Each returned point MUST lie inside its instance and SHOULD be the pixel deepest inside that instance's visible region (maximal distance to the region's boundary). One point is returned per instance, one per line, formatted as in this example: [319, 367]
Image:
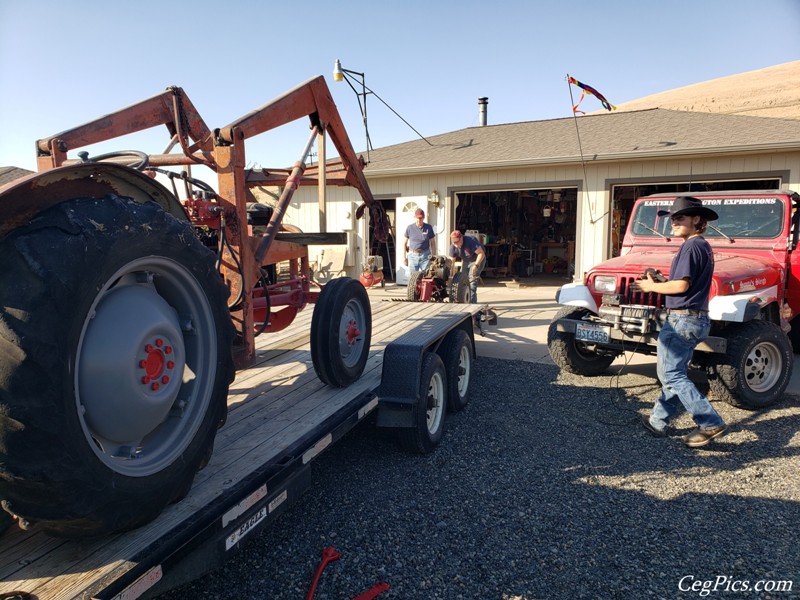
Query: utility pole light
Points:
[340, 74]
[337, 71]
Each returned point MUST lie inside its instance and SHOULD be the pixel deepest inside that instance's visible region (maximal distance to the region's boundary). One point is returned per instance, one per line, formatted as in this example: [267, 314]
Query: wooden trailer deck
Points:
[279, 411]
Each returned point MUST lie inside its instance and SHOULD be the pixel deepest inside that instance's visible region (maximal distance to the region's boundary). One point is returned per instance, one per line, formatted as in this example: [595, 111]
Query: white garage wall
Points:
[594, 183]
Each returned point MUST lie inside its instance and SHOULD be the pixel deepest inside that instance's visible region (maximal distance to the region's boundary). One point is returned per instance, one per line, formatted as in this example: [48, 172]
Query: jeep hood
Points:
[732, 274]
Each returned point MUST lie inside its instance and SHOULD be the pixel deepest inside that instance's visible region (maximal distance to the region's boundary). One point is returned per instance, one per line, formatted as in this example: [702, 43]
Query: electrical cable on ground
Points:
[618, 401]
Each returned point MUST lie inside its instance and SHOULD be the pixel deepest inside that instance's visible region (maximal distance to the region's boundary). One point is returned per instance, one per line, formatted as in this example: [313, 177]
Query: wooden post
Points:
[322, 181]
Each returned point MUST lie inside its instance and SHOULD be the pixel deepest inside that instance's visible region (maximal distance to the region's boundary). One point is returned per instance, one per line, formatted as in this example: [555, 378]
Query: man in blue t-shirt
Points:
[420, 243]
[473, 259]
[686, 325]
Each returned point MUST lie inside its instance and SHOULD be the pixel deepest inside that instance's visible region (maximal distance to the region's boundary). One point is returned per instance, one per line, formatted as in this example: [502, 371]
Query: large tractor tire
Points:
[578, 358]
[757, 367]
[341, 332]
[458, 288]
[115, 362]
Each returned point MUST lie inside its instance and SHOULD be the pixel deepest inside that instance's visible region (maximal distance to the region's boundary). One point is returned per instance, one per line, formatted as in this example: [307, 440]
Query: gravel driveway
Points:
[545, 486]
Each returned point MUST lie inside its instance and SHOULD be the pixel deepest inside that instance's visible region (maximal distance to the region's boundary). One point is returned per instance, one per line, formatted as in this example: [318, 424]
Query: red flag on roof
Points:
[587, 89]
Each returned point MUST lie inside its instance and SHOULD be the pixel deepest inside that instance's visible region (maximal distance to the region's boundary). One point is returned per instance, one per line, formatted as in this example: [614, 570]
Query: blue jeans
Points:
[473, 281]
[678, 337]
[419, 262]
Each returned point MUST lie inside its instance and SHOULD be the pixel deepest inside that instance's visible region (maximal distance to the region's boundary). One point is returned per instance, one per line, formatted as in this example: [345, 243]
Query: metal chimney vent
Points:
[483, 102]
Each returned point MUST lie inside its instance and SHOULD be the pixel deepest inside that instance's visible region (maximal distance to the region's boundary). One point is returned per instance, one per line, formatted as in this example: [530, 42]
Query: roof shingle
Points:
[608, 136]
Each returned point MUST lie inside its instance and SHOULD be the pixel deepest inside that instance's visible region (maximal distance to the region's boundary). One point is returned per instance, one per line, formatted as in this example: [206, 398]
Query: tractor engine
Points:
[438, 268]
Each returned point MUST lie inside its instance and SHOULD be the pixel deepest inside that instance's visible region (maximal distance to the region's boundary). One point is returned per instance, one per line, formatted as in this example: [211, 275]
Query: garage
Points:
[524, 231]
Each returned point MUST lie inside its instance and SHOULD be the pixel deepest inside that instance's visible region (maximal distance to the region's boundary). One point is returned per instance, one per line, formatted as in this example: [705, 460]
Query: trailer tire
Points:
[456, 354]
[412, 290]
[341, 331]
[430, 410]
[569, 355]
[755, 371]
[458, 288]
[87, 447]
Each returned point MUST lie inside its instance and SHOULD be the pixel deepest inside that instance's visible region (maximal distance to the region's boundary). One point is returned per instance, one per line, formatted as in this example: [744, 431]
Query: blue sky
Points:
[64, 63]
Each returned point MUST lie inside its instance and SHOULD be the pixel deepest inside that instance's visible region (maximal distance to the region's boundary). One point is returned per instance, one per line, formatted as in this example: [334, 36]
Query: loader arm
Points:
[312, 99]
[171, 108]
[223, 151]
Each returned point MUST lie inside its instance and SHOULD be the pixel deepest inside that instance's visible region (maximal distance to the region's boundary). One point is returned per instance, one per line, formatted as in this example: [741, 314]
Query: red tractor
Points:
[126, 306]
[438, 284]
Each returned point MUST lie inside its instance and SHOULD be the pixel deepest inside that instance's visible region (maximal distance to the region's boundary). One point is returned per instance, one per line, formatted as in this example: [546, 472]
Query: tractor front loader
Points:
[127, 306]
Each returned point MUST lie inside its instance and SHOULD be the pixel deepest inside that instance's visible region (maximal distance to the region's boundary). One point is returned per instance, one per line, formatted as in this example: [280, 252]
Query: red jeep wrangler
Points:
[755, 293]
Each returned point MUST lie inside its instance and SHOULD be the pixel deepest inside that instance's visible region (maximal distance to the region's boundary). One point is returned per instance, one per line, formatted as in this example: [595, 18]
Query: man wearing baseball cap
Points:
[473, 259]
[419, 244]
[687, 324]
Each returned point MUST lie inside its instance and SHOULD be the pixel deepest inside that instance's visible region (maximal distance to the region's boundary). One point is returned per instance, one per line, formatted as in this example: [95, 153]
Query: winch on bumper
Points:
[625, 326]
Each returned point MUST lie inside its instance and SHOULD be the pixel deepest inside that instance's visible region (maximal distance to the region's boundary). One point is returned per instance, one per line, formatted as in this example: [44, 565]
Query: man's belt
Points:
[418, 251]
[687, 311]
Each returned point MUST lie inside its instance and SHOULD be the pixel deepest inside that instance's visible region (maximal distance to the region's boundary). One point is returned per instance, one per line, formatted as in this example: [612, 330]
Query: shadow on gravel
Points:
[544, 487]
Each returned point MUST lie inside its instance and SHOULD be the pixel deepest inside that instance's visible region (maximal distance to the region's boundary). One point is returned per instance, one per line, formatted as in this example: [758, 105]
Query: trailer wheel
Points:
[456, 354]
[429, 413]
[412, 291]
[757, 367]
[115, 361]
[458, 288]
[570, 355]
[341, 330]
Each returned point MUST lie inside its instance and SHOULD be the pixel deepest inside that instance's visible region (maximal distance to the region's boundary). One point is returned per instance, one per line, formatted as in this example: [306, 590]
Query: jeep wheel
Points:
[572, 356]
[757, 368]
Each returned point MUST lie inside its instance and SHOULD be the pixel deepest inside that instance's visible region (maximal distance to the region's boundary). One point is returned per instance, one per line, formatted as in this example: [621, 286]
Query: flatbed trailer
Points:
[280, 417]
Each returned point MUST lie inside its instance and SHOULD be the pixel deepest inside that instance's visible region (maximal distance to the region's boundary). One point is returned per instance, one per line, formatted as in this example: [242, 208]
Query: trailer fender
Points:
[576, 294]
[22, 199]
[740, 308]
[399, 389]
[403, 358]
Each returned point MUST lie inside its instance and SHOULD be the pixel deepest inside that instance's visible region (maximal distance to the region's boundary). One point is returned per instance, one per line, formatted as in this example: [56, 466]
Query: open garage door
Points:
[527, 232]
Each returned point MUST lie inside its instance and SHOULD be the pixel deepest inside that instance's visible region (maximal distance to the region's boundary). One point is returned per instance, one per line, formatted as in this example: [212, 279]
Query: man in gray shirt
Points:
[419, 244]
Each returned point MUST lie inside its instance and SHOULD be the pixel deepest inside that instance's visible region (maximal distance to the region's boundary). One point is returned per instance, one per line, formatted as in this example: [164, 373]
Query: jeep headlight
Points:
[605, 284]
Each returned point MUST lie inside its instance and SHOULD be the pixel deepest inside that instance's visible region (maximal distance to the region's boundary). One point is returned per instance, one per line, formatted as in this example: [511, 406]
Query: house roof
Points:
[8, 174]
[640, 134]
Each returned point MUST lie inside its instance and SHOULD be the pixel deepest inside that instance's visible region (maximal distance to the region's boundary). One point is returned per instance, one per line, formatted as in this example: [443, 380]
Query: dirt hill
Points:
[770, 92]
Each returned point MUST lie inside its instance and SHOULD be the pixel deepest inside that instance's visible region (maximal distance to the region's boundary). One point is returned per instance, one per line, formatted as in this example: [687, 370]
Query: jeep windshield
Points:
[738, 218]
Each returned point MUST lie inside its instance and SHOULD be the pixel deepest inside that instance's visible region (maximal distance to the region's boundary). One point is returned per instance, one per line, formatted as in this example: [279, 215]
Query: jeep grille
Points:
[629, 296]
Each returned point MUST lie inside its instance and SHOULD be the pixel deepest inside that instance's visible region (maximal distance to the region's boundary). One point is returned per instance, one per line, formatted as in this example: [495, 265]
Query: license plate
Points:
[589, 332]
